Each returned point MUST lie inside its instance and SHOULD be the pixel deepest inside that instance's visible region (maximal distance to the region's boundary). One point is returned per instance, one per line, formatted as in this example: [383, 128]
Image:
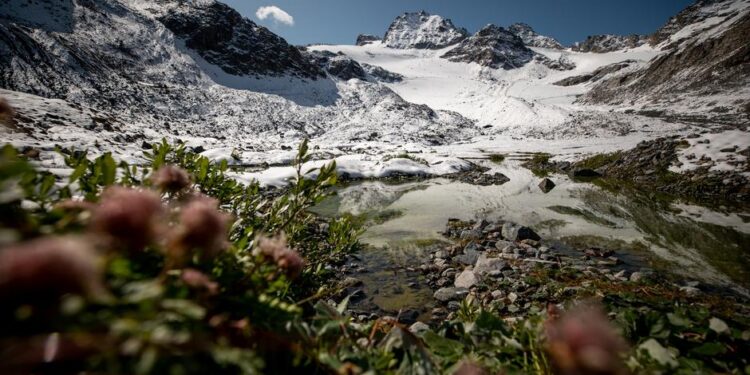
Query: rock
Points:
[636, 277]
[450, 294]
[454, 306]
[443, 281]
[585, 173]
[470, 234]
[498, 294]
[418, 328]
[512, 297]
[546, 185]
[469, 256]
[515, 232]
[690, 291]
[466, 279]
[484, 265]
[408, 316]
[481, 224]
[500, 244]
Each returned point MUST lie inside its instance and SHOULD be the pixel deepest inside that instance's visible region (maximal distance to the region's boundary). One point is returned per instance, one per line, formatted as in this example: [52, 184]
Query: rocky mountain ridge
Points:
[609, 43]
[423, 30]
[533, 39]
[494, 47]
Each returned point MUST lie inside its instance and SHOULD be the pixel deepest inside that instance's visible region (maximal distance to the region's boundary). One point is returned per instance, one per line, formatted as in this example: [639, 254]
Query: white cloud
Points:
[275, 13]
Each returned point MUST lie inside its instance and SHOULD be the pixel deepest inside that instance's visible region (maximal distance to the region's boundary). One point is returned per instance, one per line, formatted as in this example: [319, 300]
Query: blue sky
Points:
[339, 21]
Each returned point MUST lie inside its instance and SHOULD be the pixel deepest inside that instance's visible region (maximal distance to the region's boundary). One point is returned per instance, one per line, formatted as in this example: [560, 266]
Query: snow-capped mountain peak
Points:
[492, 46]
[531, 38]
[423, 30]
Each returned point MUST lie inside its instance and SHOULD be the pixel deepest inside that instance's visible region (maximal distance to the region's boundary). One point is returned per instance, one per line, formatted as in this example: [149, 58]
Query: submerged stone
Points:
[546, 185]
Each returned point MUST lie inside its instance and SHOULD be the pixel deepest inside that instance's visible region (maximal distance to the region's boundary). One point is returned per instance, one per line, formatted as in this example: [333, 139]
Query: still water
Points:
[405, 219]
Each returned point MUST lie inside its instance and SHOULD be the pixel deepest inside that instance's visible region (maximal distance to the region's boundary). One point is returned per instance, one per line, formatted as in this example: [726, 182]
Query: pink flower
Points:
[202, 226]
[75, 205]
[131, 218]
[287, 259]
[583, 341]
[170, 178]
[50, 267]
[199, 280]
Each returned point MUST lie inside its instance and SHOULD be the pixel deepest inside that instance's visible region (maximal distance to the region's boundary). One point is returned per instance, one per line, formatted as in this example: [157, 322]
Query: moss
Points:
[539, 164]
[497, 158]
[406, 156]
[599, 160]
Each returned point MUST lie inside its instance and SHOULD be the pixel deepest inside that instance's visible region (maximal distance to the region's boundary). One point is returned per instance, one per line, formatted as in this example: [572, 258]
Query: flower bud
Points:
[287, 259]
[583, 341]
[170, 178]
[49, 267]
[129, 218]
[202, 226]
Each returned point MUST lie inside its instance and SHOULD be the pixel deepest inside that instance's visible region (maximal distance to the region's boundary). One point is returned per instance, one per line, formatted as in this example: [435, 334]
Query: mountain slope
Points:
[703, 73]
[195, 85]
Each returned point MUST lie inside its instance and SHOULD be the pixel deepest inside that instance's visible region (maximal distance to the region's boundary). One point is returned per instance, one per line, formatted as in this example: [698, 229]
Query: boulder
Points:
[450, 294]
[408, 316]
[470, 255]
[546, 185]
[515, 232]
[485, 265]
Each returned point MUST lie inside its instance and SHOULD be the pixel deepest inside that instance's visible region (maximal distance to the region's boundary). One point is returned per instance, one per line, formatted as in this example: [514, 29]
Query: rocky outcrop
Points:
[596, 75]
[422, 30]
[494, 47]
[562, 63]
[648, 166]
[377, 73]
[365, 39]
[531, 38]
[609, 43]
[224, 38]
[339, 65]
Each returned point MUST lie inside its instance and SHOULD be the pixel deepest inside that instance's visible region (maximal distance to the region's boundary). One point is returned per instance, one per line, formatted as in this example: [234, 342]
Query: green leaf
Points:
[79, 170]
[710, 349]
[108, 168]
[442, 347]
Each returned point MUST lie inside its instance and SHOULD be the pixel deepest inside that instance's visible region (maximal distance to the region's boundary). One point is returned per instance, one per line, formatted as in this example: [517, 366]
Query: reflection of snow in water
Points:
[685, 235]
